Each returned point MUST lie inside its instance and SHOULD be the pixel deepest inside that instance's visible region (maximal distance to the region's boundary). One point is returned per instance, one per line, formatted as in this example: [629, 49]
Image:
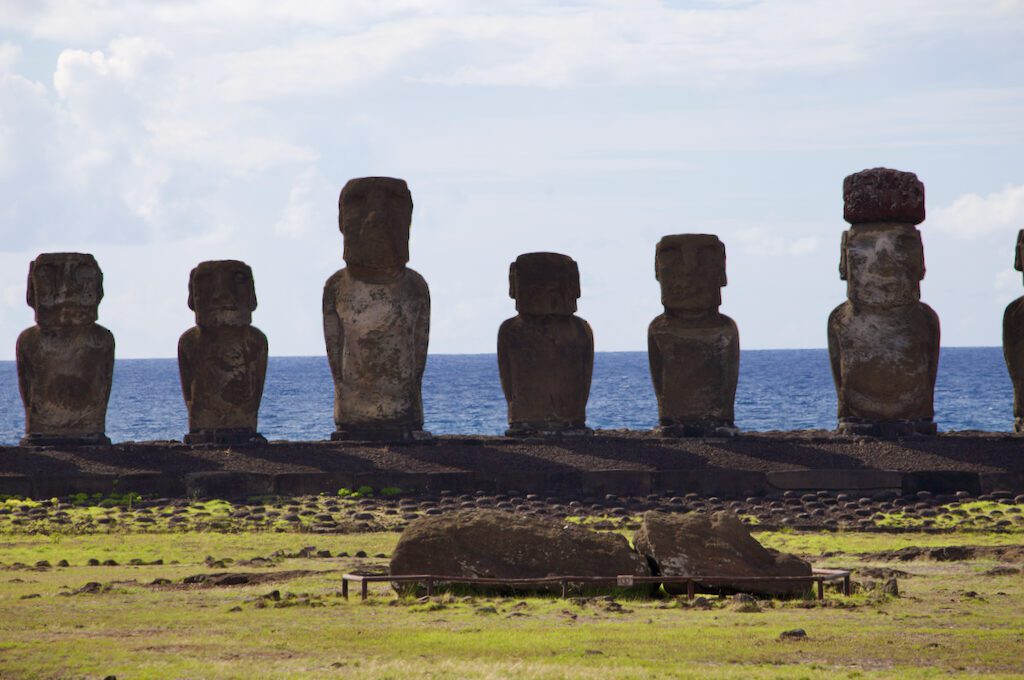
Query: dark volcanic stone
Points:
[715, 545]
[883, 195]
[494, 544]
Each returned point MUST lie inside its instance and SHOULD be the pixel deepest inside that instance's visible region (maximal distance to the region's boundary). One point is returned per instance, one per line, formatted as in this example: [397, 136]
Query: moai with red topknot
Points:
[883, 341]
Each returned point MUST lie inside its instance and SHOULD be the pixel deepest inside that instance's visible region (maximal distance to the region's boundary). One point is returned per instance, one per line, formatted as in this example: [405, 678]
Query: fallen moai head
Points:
[698, 544]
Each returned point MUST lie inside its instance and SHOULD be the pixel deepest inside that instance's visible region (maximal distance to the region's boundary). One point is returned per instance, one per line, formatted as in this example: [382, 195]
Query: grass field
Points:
[283, 615]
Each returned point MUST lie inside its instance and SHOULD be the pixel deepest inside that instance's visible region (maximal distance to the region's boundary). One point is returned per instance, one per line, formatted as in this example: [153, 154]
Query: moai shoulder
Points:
[222, 360]
[1013, 341]
[376, 315]
[693, 349]
[66, 361]
[883, 341]
[545, 352]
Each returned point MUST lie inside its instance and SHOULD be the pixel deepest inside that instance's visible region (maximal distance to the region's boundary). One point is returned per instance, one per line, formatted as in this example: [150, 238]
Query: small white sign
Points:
[624, 581]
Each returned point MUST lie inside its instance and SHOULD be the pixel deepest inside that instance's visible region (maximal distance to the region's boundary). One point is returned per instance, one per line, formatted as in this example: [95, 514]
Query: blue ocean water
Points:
[778, 390]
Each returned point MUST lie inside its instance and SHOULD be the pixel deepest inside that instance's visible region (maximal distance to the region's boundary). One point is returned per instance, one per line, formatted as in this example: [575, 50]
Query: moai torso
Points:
[376, 317]
[222, 360]
[546, 352]
[65, 361]
[884, 342]
[1013, 342]
[694, 351]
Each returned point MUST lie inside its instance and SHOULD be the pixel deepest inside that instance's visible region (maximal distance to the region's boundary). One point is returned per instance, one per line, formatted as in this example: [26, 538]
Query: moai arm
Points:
[654, 358]
[334, 334]
[588, 357]
[504, 358]
[25, 374]
[185, 369]
[261, 365]
[833, 349]
[933, 355]
[422, 332]
[108, 367]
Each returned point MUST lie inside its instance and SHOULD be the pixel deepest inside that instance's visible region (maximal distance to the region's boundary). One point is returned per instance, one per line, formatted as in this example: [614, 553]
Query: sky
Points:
[156, 135]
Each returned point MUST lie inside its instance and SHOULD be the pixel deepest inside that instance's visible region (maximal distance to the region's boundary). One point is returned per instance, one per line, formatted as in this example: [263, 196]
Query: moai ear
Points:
[30, 290]
[842, 256]
[576, 281]
[341, 221]
[512, 280]
[725, 279]
[99, 284]
[1018, 261]
[252, 289]
[191, 283]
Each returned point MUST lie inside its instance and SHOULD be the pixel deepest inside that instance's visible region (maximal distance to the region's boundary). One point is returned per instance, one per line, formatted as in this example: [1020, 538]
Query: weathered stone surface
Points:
[884, 342]
[1013, 341]
[66, 361]
[697, 544]
[222, 360]
[376, 316]
[694, 351]
[883, 195]
[545, 353]
[495, 544]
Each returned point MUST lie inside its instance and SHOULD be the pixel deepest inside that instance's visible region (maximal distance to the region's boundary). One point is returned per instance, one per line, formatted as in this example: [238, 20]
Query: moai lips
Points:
[222, 360]
[694, 350]
[376, 317]
[546, 352]
[66, 361]
[1013, 341]
[884, 342]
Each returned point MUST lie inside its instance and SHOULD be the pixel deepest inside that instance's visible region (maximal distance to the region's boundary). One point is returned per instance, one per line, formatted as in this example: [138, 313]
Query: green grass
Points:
[134, 629]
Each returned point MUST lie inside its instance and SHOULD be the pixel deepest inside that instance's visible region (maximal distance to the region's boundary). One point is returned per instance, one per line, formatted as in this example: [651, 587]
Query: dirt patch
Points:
[952, 553]
[226, 579]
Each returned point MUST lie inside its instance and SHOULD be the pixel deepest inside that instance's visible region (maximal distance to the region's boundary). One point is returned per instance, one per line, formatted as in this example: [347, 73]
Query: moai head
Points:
[222, 293]
[1018, 252]
[544, 283]
[882, 258]
[64, 289]
[374, 215]
[691, 271]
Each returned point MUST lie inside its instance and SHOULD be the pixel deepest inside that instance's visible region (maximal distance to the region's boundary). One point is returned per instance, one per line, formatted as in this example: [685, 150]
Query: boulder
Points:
[697, 544]
[495, 544]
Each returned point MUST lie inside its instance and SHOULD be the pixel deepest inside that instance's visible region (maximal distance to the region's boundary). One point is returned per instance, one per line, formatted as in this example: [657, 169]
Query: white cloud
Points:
[973, 215]
[774, 243]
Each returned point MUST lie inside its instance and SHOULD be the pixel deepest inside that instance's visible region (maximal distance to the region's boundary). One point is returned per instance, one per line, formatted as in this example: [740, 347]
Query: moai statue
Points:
[694, 350]
[883, 341]
[377, 317]
[223, 358]
[1013, 341]
[546, 352]
[65, 361]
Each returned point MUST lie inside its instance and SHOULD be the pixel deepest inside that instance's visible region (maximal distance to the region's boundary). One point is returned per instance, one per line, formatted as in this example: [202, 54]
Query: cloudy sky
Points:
[159, 134]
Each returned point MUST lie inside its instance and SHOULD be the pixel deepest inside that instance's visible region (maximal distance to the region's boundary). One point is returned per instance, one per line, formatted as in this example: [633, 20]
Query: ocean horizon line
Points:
[479, 354]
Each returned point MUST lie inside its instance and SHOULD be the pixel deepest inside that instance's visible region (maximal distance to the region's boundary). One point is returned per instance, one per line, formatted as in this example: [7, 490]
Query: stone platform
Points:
[609, 462]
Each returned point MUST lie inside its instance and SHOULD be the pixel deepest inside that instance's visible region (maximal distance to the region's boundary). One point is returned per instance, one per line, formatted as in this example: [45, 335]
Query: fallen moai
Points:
[497, 545]
[66, 361]
[222, 360]
[546, 352]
